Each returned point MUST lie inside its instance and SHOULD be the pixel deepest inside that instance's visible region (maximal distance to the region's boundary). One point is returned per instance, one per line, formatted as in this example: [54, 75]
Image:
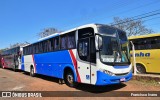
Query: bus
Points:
[147, 51]
[0, 60]
[11, 58]
[94, 54]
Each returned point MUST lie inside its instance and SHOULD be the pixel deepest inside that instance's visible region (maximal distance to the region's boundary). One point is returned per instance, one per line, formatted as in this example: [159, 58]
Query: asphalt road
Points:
[21, 81]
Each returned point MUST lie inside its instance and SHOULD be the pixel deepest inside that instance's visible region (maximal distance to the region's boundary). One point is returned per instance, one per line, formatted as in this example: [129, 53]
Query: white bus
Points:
[93, 54]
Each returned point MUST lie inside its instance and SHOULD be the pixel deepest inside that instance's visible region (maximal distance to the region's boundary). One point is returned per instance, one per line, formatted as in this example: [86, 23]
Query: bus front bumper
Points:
[105, 79]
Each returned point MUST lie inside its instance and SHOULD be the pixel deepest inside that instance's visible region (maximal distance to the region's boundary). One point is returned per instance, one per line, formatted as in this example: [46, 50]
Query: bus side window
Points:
[80, 49]
[56, 43]
[86, 44]
[36, 46]
[149, 43]
[157, 40]
[30, 49]
[63, 42]
[71, 40]
[52, 44]
[155, 43]
[49, 45]
[45, 46]
[40, 47]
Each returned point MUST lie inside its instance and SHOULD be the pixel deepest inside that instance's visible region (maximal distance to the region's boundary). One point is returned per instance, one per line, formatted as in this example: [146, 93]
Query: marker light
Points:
[107, 72]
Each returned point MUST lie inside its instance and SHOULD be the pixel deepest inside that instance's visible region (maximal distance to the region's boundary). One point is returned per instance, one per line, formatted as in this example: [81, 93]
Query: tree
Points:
[18, 44]
[131, 26]
[47, 32]
[14, 45]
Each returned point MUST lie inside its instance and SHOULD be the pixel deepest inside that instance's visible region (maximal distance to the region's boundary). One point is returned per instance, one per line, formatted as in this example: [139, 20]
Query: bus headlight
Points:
[107, 72]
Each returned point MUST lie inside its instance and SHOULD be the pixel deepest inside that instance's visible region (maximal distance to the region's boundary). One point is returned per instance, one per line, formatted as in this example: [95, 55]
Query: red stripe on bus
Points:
[75, 64]
[34, 64]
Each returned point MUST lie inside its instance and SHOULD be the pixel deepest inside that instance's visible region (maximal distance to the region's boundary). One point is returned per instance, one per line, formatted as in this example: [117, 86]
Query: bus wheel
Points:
[141, 69]
[69, 79]
[32, 72]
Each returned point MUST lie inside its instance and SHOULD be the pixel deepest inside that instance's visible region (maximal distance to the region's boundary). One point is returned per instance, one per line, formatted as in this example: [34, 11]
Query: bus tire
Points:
[69, 78]
[32, 71]
[140, 68]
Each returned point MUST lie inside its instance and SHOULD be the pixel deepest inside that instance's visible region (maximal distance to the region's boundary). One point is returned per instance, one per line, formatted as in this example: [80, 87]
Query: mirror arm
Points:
[98, 34]
[98, 50]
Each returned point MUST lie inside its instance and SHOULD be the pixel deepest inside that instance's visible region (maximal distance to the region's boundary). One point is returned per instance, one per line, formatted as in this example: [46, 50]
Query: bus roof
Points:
[144, 36]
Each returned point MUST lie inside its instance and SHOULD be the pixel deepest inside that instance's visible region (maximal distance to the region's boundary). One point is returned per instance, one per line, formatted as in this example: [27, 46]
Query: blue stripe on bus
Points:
[105, 79]
[53, 63]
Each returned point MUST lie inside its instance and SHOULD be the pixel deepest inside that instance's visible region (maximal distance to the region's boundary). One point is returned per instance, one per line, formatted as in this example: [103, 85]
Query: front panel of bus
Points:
[103, 56]
[113, 61]
[10, 58]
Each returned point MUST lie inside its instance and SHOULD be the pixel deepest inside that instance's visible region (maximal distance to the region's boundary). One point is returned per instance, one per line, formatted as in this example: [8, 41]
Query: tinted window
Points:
[71, 40]
[40, 47]
[86, 45]
[56, 43]
[86, 32]
[147, 43]
[64, 42]
[83, 49]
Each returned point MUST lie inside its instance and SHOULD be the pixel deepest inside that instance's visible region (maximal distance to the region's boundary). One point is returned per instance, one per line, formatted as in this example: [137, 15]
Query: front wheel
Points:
[141, 69]
[69, 79]
[32, 72]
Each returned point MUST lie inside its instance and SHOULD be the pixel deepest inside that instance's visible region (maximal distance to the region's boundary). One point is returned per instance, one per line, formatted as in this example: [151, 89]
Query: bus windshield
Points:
[115, 48]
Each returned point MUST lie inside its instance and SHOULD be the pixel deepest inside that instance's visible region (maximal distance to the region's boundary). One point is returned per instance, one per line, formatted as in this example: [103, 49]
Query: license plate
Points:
[122, 79]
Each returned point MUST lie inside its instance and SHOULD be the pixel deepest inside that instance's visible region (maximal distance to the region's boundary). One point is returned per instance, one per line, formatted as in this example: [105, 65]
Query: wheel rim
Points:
[70, 78]
[140, 69]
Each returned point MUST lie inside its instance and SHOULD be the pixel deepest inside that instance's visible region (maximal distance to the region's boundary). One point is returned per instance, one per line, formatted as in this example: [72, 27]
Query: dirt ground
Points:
[21, 81]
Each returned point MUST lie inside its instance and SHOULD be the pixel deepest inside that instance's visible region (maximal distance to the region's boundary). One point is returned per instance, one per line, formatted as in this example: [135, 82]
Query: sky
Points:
[22, 20]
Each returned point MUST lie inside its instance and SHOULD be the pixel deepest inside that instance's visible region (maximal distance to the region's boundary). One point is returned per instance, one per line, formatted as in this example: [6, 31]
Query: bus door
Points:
[84, 54]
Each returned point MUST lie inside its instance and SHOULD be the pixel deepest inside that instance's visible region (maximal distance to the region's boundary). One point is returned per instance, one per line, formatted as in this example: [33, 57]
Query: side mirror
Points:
[100, 43]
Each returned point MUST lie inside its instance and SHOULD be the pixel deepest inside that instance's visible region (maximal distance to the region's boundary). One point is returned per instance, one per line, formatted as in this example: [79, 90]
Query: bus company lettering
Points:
[141, 54]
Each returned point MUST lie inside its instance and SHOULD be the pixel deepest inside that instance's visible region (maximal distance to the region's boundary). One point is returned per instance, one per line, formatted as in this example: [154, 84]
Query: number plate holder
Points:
[122, 79]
